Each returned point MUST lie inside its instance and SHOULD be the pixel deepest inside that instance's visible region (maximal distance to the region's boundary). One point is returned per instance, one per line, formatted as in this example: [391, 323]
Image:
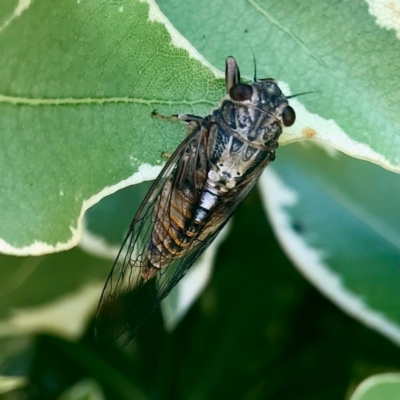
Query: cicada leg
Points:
[189, 118]
[181, 117]
[193, 121]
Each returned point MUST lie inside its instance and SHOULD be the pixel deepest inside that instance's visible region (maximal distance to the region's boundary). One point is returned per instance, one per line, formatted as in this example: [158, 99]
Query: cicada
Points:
[196, 193]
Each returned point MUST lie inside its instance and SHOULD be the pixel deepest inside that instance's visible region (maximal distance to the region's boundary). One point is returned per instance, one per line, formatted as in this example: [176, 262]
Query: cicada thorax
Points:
[243, 139]
[257, 121]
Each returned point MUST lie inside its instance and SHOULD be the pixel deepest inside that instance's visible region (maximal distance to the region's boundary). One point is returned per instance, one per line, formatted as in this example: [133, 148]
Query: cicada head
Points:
[258, 110]
[271, 99]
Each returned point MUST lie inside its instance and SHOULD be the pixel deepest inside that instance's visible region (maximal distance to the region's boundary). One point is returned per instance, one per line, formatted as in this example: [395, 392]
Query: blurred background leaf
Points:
[83, 390]
[338, 219]
[258, 331]
[378, 387]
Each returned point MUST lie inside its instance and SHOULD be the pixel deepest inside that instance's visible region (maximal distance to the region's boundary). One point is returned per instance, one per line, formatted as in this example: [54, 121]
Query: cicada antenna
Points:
[255, 66]
[300, 94]
[288, 97]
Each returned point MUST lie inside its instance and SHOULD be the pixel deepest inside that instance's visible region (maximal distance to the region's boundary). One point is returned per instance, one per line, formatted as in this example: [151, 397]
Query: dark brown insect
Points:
[204, 181]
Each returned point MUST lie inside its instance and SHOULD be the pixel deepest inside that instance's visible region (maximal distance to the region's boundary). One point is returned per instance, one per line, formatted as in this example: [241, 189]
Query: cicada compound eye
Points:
[288, 116]
[241, 92]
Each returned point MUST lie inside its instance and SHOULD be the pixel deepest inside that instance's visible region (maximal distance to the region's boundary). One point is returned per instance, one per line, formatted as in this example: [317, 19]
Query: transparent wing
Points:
[128, 298]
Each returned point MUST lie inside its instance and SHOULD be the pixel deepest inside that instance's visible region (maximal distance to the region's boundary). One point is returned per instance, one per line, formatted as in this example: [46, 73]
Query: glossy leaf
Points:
[338, 220]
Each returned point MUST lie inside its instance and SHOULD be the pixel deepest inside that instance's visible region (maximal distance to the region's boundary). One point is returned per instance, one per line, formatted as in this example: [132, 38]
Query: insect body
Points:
[204, 181]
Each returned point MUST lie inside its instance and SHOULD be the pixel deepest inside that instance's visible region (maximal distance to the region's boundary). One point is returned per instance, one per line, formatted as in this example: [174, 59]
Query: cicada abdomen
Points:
[174, 223]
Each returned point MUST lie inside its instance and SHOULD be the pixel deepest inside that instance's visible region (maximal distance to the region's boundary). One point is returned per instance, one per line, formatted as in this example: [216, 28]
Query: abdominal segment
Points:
[172, 233]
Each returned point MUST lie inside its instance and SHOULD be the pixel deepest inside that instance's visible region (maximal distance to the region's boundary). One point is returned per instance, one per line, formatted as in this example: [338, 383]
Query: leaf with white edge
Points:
[56, 294]
[107, 222]
[379, 387]
[78, 83]
[338, 220]
[105, 226]
[348, 51]
[65, 317]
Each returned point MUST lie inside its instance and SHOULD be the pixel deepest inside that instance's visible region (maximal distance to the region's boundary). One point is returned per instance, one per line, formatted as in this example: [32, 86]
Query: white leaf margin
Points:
[146, 172]
[19, 9]
[326, 132]
[387, 14]
[276, 196]
[366, 386]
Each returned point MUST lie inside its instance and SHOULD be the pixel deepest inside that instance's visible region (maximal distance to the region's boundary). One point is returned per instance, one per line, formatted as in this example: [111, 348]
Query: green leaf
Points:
[338, 220]
[78, 83]
[79, 80]
[348, 51]
[379, 387]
